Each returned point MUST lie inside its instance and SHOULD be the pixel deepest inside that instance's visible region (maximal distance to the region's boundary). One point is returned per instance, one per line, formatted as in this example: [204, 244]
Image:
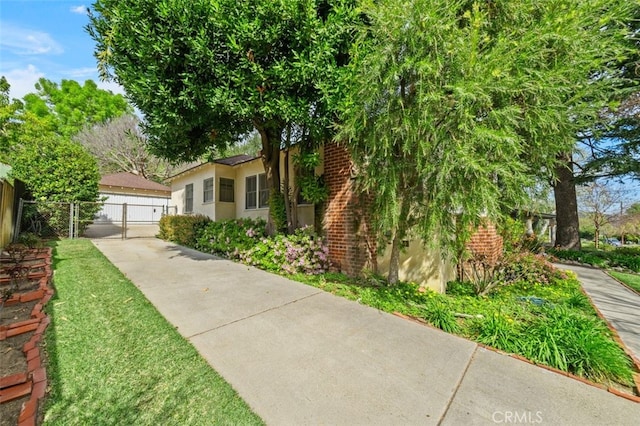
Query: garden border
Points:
[33, 382]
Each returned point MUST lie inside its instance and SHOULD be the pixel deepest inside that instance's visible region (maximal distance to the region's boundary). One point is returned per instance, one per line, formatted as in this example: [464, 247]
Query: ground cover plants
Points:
[524, 306]
[623, 257]
[113, 359]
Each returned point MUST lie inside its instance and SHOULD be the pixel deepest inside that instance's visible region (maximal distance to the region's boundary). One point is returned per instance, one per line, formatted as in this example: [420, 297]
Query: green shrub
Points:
[439, 315]
[530, 268]
[460, 288]
[182, 229]
[513, 268]
[229, 238]
[578, 300]
[499, 331]
[278, 210]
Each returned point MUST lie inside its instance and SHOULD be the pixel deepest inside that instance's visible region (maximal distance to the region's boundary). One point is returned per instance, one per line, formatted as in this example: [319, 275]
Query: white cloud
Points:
[82, 73]
[89, 73]
[80, 10]
[114, 87]
[23, 41]
[22, 81]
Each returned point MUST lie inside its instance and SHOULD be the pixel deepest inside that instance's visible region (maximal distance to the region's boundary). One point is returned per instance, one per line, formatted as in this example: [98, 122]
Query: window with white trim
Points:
[207, 190]
[188, 198]
[263, 200]
[256, 192]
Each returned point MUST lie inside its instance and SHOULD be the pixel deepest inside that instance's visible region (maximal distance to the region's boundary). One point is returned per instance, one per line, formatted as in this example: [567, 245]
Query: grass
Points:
[113, 359]
[632, 280]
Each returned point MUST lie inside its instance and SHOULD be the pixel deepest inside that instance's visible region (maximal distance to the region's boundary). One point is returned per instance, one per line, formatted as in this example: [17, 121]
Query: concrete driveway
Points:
[300, 356]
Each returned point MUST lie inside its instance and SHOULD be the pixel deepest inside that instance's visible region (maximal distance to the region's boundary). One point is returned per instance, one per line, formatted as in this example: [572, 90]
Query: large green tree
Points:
[206, 72]
[8, 108]
[611, 138]
[454, 107]
[72, 106]
[39, 145]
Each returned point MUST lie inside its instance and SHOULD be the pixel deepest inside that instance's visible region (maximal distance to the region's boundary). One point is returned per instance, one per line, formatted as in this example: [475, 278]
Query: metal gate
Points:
[90, 219]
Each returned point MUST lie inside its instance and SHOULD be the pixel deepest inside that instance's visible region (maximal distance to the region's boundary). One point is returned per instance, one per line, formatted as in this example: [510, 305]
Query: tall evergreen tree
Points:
[453, 107]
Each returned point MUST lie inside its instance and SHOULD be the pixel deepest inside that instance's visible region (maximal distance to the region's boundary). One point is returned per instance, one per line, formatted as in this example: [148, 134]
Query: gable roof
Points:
[133, 181]
[229, 161]
[235, 160]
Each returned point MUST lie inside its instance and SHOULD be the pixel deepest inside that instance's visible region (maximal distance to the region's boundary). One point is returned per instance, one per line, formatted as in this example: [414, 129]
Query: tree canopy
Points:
[453, 107]
[37, 142]
[206, 72]
[71, 106]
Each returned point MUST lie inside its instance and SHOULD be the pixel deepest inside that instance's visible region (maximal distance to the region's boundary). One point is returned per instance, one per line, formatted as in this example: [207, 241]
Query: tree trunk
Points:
[568, 225]
[394, 262]
[596, 237]
[398, 237]
[271, 136]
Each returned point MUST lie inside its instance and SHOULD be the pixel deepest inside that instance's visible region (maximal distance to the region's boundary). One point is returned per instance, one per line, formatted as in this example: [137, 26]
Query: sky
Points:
[46, 38]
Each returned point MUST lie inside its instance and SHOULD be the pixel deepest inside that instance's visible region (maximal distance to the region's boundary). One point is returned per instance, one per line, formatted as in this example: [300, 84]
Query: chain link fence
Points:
[89, 219]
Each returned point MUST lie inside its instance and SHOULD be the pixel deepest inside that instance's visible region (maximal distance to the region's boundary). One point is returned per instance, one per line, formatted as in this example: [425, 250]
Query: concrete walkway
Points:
[300, 356]
[619, 305]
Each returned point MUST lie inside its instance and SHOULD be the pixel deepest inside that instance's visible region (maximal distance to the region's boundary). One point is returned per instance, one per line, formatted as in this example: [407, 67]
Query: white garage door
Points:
[140, 209]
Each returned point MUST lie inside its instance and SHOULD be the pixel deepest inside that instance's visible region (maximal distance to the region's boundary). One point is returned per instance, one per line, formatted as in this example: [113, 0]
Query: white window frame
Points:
[258, 197]
[207, 191]
[188, 198]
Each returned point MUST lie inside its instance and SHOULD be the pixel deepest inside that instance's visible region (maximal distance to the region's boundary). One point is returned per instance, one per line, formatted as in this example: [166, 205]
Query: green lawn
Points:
[632, 280]
[113, 359]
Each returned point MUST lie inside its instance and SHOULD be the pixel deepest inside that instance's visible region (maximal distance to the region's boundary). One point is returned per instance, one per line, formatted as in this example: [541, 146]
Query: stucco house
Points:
[235, 187]
[228, 188]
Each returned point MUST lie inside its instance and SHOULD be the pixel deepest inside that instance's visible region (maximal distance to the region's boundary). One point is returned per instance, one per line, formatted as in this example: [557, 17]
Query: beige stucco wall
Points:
[421, 265]
[195, 177]
[251, 168]
[227, 210]
[306, 215]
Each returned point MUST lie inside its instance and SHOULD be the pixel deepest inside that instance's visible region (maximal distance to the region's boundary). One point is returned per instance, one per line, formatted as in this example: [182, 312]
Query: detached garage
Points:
[145, 200]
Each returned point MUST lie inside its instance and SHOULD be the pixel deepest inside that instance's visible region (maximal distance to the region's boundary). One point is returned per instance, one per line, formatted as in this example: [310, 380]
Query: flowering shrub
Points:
[302, 252]
[229, 238]
[246, 240]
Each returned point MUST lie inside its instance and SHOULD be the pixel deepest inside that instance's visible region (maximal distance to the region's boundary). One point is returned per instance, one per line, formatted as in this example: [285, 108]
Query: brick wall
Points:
[486, 242]
[351, 241]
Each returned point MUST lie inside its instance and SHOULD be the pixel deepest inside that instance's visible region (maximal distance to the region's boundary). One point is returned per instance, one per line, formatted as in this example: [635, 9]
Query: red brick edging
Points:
[33, 382]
